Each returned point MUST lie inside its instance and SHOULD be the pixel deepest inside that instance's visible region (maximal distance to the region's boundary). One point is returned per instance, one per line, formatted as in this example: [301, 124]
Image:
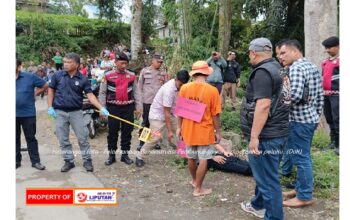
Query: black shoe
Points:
[67, 166]
[18, 165]
[139, 147]
[139, 162]
[157, 147]
[88, 166]
[336, 151]
[290, 185]
[125, 158]
[331, 145]
[38, 166]
[110, 160]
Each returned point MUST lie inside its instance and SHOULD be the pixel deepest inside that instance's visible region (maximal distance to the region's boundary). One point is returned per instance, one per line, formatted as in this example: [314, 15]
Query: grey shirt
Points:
[149, 83]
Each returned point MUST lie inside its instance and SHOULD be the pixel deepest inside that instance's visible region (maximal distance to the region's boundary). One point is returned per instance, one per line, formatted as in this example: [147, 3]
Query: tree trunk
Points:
[321, 22]
[212, 25]
[136, 43]
[186, 21]
[225, 20]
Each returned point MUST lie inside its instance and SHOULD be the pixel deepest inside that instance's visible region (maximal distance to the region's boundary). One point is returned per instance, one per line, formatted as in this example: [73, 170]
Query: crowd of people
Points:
[279, 113]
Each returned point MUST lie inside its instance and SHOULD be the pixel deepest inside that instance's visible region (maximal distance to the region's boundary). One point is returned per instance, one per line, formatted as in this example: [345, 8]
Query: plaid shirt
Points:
[302, 72]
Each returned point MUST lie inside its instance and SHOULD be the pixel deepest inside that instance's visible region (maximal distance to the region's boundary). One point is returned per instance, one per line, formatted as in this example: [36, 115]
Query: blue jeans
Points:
[268, 192]
[287, 165]
[74, 118]
[299, 146]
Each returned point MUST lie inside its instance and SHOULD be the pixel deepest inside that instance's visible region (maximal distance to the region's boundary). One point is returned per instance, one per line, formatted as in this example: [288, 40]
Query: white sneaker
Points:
[247, 207]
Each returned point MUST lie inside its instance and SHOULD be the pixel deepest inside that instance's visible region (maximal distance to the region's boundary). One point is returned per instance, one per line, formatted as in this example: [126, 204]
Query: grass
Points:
[326, 174]
[321, 140]
[230, 120]
[210, 200]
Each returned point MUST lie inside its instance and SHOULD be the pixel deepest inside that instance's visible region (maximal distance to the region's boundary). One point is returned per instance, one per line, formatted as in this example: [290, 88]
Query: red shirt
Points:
[83, 71]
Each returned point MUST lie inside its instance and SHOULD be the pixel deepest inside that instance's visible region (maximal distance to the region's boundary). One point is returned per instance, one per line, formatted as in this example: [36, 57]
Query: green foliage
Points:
[320, 140]
[326, 173]
[69, 7]
[147, 19]
[109, 9]
[230, 121]
[44, 34]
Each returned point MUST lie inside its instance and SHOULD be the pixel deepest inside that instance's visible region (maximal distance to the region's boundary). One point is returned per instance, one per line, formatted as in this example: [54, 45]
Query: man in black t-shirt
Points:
[266, 130]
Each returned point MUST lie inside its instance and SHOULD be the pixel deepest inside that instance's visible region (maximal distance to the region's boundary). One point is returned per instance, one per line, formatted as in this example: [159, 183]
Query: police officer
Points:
[118, 91]
[151, 79]
[65, 102]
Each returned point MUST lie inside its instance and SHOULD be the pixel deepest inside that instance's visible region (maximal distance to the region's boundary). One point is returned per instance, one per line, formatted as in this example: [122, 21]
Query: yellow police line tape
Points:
[146, 134]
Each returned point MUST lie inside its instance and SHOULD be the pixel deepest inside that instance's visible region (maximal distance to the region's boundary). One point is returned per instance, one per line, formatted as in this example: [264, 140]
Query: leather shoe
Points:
[110, 160]
[88, 166]
[139, 162]
[38, 166]
[67, 166]
[18, 165]
[125, 158]
[157, 147]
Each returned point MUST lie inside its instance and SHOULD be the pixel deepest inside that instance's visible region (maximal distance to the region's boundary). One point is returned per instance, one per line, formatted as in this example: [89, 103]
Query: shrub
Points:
[230, 121]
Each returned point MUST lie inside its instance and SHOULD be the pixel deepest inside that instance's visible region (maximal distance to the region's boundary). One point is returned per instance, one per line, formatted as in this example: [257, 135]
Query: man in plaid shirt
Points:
[307, 101]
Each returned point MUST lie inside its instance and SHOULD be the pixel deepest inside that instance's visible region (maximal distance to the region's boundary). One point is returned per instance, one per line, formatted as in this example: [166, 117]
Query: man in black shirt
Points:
[231, 80]
[264, 123]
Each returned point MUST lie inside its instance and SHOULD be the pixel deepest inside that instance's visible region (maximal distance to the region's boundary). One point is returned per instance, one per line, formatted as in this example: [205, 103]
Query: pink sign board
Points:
[189, 109]
[181, 149]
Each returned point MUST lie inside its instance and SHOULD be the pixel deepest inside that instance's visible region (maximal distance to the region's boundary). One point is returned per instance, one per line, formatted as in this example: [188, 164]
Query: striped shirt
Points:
[304, 73]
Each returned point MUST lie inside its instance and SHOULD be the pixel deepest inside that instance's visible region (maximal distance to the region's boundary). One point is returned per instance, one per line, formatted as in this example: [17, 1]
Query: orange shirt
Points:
[200, 133]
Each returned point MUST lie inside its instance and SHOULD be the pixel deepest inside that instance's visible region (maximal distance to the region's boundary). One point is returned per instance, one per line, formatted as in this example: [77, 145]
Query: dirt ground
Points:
[161, 189]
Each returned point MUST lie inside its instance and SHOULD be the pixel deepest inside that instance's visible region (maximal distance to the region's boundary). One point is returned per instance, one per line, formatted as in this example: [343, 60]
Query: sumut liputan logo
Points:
[81, 197]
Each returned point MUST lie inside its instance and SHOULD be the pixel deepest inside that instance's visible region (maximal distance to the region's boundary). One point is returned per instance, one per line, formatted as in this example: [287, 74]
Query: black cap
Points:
[331, 42]
[121, 56]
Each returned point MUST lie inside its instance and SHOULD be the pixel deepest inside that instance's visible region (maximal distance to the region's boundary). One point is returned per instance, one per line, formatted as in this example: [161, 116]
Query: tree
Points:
[149, 11]
[136, 43]
[225, 20]
[109, 9]
[321, 22]
[71, 7]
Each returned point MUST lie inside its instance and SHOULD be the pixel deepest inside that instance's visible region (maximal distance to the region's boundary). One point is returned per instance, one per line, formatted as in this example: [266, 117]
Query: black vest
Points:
[277, 122]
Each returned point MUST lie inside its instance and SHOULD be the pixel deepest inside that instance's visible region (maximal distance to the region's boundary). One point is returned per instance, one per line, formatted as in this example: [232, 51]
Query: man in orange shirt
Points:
[200, 136]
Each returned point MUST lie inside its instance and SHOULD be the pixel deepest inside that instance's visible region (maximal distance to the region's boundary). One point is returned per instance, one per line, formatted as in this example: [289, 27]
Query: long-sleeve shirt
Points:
[304, 73]
[218, 66]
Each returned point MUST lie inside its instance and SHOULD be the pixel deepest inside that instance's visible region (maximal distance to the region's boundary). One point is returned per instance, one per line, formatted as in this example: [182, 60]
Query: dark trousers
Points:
[29, 128]
[145, 121]
[218, 86]
[331, 113]
[59, 66]
[125, 112]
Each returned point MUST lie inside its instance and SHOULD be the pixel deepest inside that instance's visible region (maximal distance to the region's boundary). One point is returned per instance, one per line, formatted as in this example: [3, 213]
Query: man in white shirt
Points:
[161, 113]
